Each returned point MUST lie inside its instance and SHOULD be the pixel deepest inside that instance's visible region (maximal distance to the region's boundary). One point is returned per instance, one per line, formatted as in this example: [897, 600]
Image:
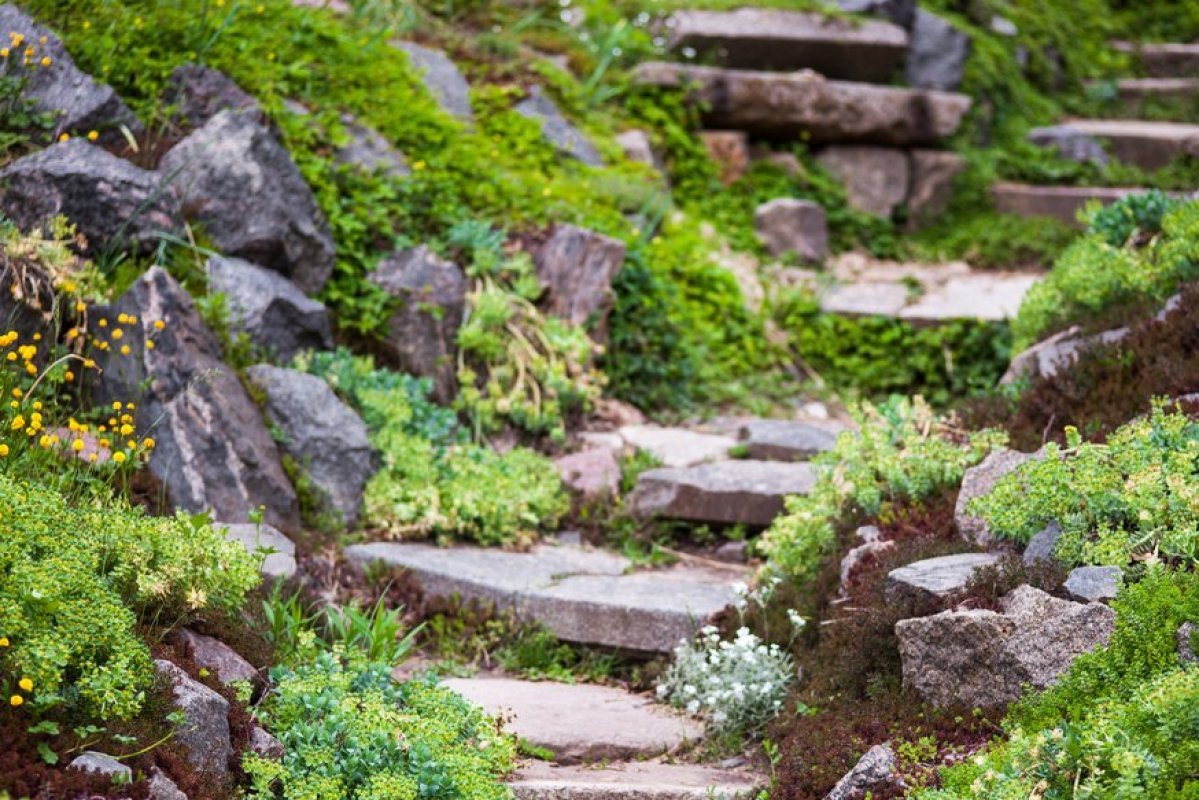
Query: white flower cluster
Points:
[737, 686]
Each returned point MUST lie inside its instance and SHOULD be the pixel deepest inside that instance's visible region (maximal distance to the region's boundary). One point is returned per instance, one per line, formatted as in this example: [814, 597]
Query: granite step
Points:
[582, 595]
[1059, 202]
[805, 104]
[1148, 145]
[1135, 91]
[677, 447]
[787, 440]
[746, 492]
[642, 780]
[1169, 60]
[774, 39]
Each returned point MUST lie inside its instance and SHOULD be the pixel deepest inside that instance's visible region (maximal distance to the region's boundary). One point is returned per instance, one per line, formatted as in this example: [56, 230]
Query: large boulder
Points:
[325, 438]
[876, 179]
[786, 225]
[985, 658]
[441, 77]
[204, 732]
[213, 449]
[937, 53]
[113, 203]
[978, 481]
[197, 93]
[278, 318]
[558, 130]
[422, 332]
[235, 178]
[1051, 355]
[576, 268]
[81, 103]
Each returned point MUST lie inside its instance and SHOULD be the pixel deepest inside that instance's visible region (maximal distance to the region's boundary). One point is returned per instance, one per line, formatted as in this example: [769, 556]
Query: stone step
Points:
[644, 780]
[581, 723]
[723, 493]
[774, 39]
[584, 596]
[1059, 202]
[787, 440]
[1148, 145]
[1134, 91]
[790, 105]
[677, 447]
[1164, 60]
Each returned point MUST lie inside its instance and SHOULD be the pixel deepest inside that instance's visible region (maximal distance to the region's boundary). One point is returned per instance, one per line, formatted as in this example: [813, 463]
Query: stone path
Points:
[646, 780]
[677, 447]
[726, 492]
[1148, 145]
[1164, 60]
[1059, 202]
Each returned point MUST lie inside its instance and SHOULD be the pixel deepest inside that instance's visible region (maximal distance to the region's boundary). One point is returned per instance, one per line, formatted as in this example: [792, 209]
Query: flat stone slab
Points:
[1169, 60]
[583, 596]
[581, 722]
[643, 780]
[1136, 90]
[278, 551]
[787, 440]
[1094, 584]
[1059, 202]
[773, 39]
[726, 492]
[936, 578]
[1148, 145]
[790, 105]
[677, 447]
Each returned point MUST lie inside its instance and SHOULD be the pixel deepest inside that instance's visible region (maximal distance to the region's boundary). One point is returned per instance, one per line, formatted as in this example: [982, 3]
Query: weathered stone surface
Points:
[576, 268]
[637, 147]
[857, 556]
[271, 310]
[677, 447]
[214, 655]
[1059, 202]
[936, 579]
[81, 103]
[198, 93]
[1051, 355]
[28, 304]
[876, 179]
[1187, 652]
[441, 77]
[557, 129]
[793, 104]
[730, 151]
[786, 440]
[1070, 143]
[1094, 584]
[978, 481]
[368, 150]
[213, 449]
[1136, 91]
[422, 332]
[280, 562]
[1041, 546]
[205, 729]
[937, 53]
[984, 658]
[237, 180]
[931, 184]
[265, 745]
[1168, 60]
[101, 764]
[591, 473]
[325, 438]
[581, 595]
[729, 492]
[786, 225]
[162, 787]
[873, 772]
[901, 12]
[618, 725]
[645, 780]
[733, 552]
[868, 534]
[775, 39]
[1148, 145]
[111, 202]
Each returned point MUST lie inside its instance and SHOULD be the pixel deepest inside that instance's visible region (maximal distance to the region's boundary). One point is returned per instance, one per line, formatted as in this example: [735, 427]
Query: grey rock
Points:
[1166, 60]
[874, 771]
[1057, 202]
[204, 732]
[901, 12]
[1094, 584]
[27, 303]
[1050, 356]
[786, 225]
[644, 780]
[1187, 638]
[279, 562]
[213, 449]
[591, 473]
[368, 150]
[1041, 546]
[215, 656]
[677, 447]
[785, 440]
[876, 179]
[730, 151]
[271, 310]
[422, 332]
[978, 481]
[1004, 26]
[984, 658]
[325, 437]
[265, 745]
[238, 181]
[937, 53]
[81, 103]
[101, 764]
[113, 203]
[576, 268]
[162, 787]
[856, 556]
[441, 78]
[198, 93]
[557, 130]
[936, 579]
[1070, 143]
[723, 492]
[868, 533]
[735, 552]
[933, 173]
[1145, 144]
[637, 147]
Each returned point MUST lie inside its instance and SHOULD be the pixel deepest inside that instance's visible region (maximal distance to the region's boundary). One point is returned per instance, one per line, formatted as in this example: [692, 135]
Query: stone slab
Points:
[787, 440]
[936, 578]
[1137, 90]
[645, 780]
[677, 447]
[726, 492]
[1166, 60]
[1094, 584]
[1058, 202]
[1148, 145]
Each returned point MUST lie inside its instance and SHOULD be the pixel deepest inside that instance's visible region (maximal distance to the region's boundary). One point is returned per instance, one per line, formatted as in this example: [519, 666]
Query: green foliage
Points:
[21, 123]
[1138, 215]
[291, 628]
[1133, 497]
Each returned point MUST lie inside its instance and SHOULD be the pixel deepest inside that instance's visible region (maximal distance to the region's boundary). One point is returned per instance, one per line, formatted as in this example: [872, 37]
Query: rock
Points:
[1041, 546]
[901, 12]
[935, 579]
[937, 53]
[984, 658]
[1094, 584]
[368, 150]
[609, 439]
[235, 179]
[620, 726]
[637, 147]
[735, 552]
[978, 481]
[868, 533]
[271, 310]
[856, 556]
[204, 732]
[1049, 356]
[81, 103]
[280, 562]
[1168, 60]
[441, 78]
[1188, 637]
[981, 295]
[213, 450]
[874, 771]
[28, 304]
[644, 780]
[198, 93]
[1004, 26]
[876, 179]
[775, 39]
[724, 492]
[215, 656]
[1070, 144]
[1148, 145]
[265, 745]
[113, 203]
[557, 130]
[576, 268]
[785, 105]
[593, 473]
[785, 440]
[422, 332]
[1136, 92]
[162, 787]
[1058, 202]
[100, 763]
[793, 226]
[325, 438]
[677, 447]
[933, 173]
[730, 151]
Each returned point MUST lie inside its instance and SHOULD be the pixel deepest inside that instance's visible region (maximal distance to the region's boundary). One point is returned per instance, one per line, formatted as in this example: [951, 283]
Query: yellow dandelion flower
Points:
[3, 641]
[69, 376]
[118, 457]
[124, 349]
[148, 443]
[103, 323]
[126, 430]
[18, 422]
[77, 445]
[93, 135]
[16, 700]
[47, 61]
[4, 453]
[159, 324]
[26, 684]
[117, 333]
[149, 344]
[31, 368]
[66, 137]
